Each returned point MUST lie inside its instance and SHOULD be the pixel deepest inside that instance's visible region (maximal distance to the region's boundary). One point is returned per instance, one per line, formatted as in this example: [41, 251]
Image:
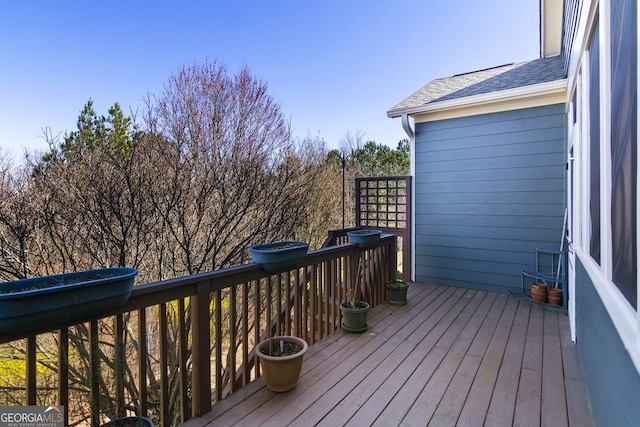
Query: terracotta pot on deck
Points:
[555, 296]
[539, 292]
[281, 372]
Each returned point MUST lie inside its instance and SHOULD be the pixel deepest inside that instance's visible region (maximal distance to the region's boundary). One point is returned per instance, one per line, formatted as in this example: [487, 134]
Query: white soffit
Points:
[551, 14]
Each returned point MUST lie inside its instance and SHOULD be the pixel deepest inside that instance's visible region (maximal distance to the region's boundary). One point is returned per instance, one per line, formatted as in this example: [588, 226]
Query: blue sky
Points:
[335, 66]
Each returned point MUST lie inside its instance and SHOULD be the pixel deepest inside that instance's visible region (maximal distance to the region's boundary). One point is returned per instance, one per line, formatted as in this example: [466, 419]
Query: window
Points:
[624, 146]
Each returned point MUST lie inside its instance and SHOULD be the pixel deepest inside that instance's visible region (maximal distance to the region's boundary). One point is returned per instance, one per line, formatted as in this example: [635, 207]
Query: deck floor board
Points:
[450, 356]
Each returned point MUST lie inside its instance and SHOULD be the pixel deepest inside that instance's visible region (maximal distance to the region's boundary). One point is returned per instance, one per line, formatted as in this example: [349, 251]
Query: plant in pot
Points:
[354, 312]
[397, 292]
[281, 361]
[279, 256]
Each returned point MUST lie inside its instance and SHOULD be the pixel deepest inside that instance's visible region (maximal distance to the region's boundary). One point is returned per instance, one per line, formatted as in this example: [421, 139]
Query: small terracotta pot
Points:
[281, 372]
[539, 292]
[555, 296]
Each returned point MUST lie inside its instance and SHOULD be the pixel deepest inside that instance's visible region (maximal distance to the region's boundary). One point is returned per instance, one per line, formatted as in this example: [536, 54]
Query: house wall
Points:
[613, 383]
[489, 190]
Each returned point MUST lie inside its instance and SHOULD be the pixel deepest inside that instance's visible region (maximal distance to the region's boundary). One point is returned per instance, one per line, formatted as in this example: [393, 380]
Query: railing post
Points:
[201, 365]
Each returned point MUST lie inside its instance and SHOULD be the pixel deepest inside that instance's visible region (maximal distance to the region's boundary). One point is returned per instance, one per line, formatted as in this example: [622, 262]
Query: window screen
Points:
[594, 143]
[623, 146]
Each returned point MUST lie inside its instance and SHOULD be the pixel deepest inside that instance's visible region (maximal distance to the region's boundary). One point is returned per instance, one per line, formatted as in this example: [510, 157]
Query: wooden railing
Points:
[178, 346]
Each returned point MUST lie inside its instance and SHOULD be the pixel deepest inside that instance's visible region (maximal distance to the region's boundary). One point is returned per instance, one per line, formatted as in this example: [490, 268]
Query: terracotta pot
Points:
[539, 292]
[281, 372]
[555, 296]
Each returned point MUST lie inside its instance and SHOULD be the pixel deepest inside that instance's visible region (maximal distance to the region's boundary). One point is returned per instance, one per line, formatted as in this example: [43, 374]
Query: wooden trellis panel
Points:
[384, 203]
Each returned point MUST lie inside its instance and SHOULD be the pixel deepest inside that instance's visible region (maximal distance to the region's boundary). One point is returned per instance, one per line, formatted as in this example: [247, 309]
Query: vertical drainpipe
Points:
[406, 125]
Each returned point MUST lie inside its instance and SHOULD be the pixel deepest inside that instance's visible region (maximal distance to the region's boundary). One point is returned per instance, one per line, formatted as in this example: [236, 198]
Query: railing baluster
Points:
[246, 371]
[164, 365]
[256, 326]
[269, 316]
[233, 334]
[118, 364]
[326, 291]
[305, 305]
[182, 359]
[142, 361]
[297, 330]
[31, 370]
[63, 372]
[94, 380]
[218, 338]
[279, 330]
[313, 304]
[288, 298]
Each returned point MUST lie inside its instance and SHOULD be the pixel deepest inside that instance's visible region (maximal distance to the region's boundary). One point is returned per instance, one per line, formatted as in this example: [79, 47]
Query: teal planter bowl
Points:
[279, 256]
[365, 239]
[34, 305]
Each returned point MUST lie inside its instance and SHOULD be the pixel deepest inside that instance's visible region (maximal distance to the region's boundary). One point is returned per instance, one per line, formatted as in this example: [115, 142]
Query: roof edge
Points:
[523, 92]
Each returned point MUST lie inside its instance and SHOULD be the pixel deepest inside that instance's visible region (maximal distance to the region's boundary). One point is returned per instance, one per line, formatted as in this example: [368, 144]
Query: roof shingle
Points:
[489, 80]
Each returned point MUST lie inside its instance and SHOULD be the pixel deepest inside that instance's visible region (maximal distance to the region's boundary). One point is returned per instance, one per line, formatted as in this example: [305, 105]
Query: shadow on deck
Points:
[449, 357]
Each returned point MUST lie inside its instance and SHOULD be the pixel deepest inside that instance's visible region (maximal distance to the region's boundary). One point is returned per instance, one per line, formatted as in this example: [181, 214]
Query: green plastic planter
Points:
[397, 292]
[34, 305]
[354, 319]
[279, 256]
[365, 239]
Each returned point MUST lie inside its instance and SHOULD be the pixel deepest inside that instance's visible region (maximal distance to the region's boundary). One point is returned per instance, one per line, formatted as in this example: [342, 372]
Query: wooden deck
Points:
[449, 357]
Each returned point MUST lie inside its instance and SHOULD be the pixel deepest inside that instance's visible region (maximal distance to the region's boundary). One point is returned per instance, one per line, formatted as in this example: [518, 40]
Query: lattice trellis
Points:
[383, 202]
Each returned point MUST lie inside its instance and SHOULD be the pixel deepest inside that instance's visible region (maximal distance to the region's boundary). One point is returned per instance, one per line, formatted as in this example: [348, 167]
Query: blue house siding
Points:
[613, 383]
[489, 190]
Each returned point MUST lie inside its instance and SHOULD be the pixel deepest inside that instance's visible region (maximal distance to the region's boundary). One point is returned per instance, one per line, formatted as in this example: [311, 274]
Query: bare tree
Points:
[214, 171]
[226, 158]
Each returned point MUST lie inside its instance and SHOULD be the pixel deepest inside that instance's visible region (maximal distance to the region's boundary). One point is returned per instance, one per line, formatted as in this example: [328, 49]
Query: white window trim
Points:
[625, 318]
